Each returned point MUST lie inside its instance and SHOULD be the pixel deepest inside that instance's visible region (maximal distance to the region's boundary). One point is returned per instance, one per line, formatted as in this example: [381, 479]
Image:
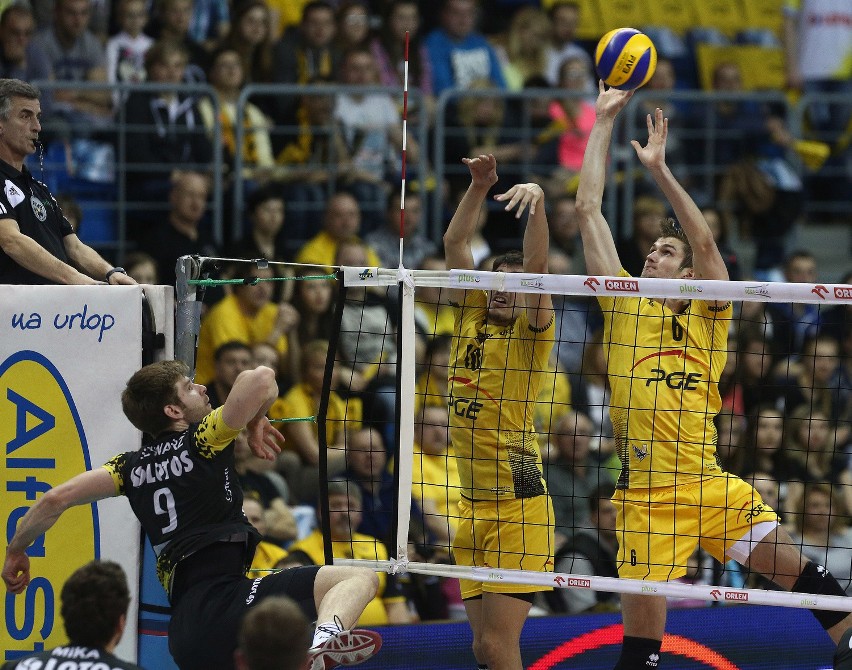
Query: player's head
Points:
[503, 306]
[94, 604]
[160, 394]
[670, 256]
[274, 635]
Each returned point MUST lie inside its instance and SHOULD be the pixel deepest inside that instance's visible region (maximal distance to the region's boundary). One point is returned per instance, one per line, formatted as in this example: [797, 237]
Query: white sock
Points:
[324, 631]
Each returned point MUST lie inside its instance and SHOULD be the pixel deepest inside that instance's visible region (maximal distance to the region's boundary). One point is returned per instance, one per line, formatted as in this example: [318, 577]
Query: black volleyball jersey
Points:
[184, 490]
[70, 657]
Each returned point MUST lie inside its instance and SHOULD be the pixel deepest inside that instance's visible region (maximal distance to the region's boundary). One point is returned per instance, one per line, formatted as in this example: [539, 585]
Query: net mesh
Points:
[772, 405]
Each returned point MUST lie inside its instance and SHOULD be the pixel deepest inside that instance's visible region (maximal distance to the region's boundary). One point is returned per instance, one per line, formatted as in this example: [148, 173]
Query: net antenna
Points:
[404, 147]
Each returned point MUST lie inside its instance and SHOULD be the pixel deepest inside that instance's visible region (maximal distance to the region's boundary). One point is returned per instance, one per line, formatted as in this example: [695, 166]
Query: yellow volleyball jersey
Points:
[494, 380]
[664, 371]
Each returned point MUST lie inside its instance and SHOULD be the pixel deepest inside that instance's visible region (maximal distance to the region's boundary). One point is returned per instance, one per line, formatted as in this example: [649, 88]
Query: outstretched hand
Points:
[610, 100]
[16, 571]
[483, 169]
[264, 439]
[653, 154]
[522, 196]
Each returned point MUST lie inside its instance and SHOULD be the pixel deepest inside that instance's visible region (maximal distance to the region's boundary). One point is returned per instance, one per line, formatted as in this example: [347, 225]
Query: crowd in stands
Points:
[320, 170]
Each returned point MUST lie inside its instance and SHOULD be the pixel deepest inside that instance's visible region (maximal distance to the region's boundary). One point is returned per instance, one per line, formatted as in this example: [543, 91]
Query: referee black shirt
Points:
[30, 203]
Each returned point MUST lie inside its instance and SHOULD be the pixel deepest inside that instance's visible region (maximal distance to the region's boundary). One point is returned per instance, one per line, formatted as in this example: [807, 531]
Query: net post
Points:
[188, 311]
[405, 410]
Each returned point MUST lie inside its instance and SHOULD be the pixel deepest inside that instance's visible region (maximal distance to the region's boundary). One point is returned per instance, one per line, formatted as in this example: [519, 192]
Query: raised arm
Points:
[483, 175]
[536, 245]
[250, 398]
[707, 261]
[598, 245]
[80, 490]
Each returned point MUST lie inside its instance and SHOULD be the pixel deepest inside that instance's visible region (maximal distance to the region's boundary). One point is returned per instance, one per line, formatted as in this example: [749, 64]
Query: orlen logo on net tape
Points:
[45, 445]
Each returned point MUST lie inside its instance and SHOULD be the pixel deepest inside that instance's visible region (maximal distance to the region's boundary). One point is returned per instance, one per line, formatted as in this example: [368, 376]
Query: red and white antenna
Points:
[404, 147]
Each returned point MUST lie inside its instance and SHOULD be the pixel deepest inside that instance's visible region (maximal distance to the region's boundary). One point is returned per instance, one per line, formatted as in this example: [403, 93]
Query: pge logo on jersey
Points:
[45, 445]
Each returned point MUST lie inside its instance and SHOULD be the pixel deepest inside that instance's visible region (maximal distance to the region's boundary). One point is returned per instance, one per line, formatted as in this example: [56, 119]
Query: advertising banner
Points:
[66, 353]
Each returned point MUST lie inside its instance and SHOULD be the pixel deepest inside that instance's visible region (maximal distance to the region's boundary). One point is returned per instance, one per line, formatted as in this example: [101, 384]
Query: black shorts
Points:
[206, 618]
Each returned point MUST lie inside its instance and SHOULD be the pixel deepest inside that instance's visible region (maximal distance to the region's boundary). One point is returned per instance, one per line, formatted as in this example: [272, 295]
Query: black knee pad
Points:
[819, 581]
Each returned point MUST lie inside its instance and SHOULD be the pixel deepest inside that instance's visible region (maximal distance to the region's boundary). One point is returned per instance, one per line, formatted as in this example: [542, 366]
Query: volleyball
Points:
[625, 58]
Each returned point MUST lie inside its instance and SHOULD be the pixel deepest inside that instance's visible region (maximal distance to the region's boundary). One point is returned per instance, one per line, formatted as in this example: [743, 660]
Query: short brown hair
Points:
[148, 391]
[509, 258]
[671, 228]
[275, 635]
[93, 600]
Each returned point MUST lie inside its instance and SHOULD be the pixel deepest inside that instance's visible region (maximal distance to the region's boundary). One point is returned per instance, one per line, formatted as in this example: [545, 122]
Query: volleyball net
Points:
[782, 424]
[389, 483]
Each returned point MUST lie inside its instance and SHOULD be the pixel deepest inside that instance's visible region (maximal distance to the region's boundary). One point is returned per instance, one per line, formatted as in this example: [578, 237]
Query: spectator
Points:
[71, 210]
[230, 359]
[564, 20]
[248, 315]
[353, 25]
[525, 52]
[259, 480]
[17, 59]
[250, 36]
[576, 317]
[268, 556]
[341, 222]
[765, 452]
[372, 131]
[142, 267]
[389, 606]
[184, 232]
[227, 76]
[554, 396]
[125, 52]
[314, 300]
[303, 55]
[648, 211]
[591, 393]
[274, 635]
[821, 528]
[210, 22]
[573, 475]
[459, 53]
[302, 401]
[385, 240]
[720, 235]
[565, 228]
[165, 131]
[314, 157]
[432, 311]
[388, 47]
[432, 388]
[816, 382]
[435, 476]
[573, 116]
[754, 373]
[817, 40]
[748, 145]
[175, 19]
[366, 460]
[794, 323]
[37, 243]
[590, 551]
[75, 55]
[94, 602]
[265, 211]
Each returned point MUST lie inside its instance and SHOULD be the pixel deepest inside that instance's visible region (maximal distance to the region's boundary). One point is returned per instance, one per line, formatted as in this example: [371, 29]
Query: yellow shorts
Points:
[514, 534]
[659, 530]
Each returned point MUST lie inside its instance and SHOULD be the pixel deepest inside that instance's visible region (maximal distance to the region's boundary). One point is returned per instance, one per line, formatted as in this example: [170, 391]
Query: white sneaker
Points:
[346, 647]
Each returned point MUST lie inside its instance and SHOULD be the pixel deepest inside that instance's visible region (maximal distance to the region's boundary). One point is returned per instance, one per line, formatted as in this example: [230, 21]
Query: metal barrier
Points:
[432, 163]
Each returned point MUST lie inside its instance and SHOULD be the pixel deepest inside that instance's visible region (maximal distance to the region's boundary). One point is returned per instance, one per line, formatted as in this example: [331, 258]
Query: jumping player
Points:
[184, 490]
[664, 360]
[501, 344]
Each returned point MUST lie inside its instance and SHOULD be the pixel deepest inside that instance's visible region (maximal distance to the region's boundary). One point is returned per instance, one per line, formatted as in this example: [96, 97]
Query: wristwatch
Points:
[113, 271]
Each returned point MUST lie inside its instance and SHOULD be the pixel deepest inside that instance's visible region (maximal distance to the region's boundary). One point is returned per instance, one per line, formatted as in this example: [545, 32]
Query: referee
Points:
[37, 244]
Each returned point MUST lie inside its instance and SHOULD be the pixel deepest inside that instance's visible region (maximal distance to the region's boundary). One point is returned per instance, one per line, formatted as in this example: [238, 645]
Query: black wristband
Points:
[113, 271]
